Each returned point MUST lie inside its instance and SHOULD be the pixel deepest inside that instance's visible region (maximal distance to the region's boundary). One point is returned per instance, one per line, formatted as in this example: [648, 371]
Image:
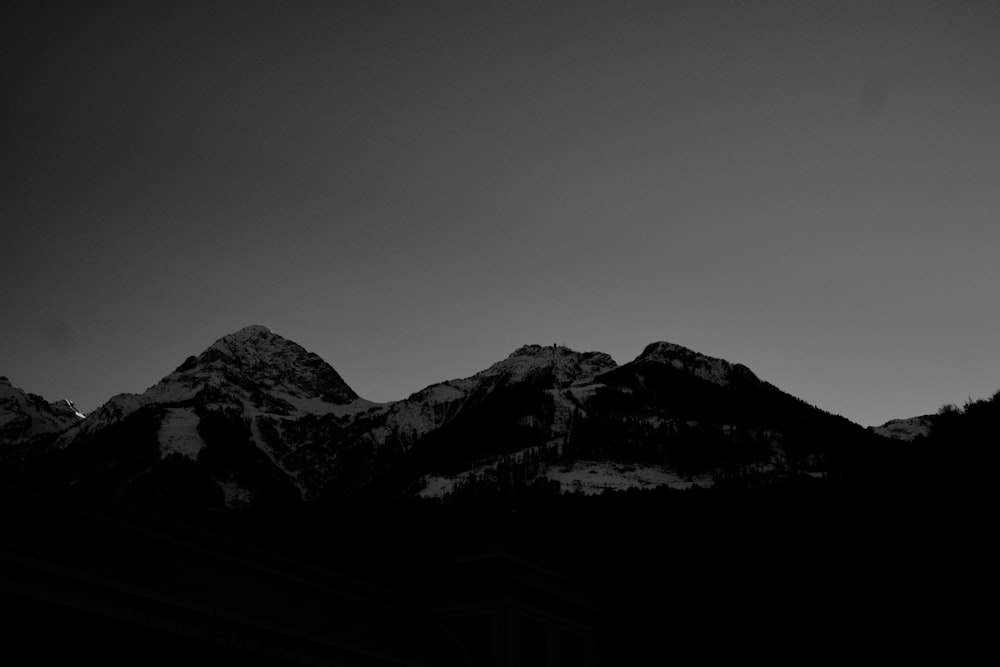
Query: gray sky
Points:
[413, 190]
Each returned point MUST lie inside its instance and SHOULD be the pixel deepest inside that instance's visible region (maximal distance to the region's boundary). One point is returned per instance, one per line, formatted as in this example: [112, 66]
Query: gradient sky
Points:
[412, 190]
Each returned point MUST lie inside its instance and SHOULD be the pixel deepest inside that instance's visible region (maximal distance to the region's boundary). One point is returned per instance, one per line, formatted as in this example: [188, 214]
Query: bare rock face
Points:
[28, 418]
[256, 360]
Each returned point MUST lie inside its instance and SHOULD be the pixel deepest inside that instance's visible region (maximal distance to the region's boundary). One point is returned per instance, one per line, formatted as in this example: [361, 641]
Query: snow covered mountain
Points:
[289, 401]
[257, 416]
[267, 372]
[551, 367]
[671, 417]
[28, 419]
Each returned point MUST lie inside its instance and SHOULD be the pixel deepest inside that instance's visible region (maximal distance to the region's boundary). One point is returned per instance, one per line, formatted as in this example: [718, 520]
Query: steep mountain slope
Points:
[28, 420]
[699, 415]
[547, 368]
[515, 408]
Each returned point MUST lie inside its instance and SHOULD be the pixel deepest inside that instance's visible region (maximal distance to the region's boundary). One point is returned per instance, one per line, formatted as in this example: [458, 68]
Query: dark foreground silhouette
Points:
[885, 559]
[809, 571]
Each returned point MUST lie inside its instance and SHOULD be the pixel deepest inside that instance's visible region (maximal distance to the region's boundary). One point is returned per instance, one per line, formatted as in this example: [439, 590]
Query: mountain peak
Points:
[257, 360]
[26, 417]
[249, 331]
[663, 349]
[546, 351]
[566, 365]
[248, 339]
[712, 369]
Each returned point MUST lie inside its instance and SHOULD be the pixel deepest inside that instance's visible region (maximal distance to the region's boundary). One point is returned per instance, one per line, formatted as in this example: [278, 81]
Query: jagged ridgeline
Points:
[29, 424]
[256, 420]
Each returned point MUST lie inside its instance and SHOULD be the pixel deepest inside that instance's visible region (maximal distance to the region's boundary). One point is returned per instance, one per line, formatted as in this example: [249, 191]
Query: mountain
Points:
[256, 418]
[253, 370]
[28, 420]
[908, 429]
[549, 369]
[452, 431]
[254, 410]
[670, 418]
[269, 374]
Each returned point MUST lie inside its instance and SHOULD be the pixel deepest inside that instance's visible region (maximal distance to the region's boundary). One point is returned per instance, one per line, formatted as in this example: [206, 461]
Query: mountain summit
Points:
[271, 368]
[271, 408]
[28, 419]
[251, 371]
[560, 365]
[712, 369]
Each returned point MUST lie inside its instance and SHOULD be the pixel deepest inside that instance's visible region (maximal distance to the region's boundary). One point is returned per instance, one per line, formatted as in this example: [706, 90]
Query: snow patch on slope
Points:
[179, 434]
[582, 476]
[594, 477]
[235, 495]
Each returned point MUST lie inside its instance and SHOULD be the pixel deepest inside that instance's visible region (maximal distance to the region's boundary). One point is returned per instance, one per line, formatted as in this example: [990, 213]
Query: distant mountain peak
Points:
[661, 349]
[712, 369]
[249, 331]
[566, 365]
[249, 336]
[259, 360]
[27, 417]
[544, 352]
[907, 429]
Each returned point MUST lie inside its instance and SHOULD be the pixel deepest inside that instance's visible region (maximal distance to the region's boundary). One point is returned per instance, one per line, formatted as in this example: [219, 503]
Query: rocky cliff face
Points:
[260, 368]
[28, 419]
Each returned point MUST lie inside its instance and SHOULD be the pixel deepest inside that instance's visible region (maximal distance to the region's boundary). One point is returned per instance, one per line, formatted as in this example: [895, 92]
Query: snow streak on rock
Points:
[179, 434]
[27, 418]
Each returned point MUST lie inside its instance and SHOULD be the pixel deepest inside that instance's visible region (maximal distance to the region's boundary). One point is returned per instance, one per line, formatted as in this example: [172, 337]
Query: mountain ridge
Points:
[255, 406]
[27, 420]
